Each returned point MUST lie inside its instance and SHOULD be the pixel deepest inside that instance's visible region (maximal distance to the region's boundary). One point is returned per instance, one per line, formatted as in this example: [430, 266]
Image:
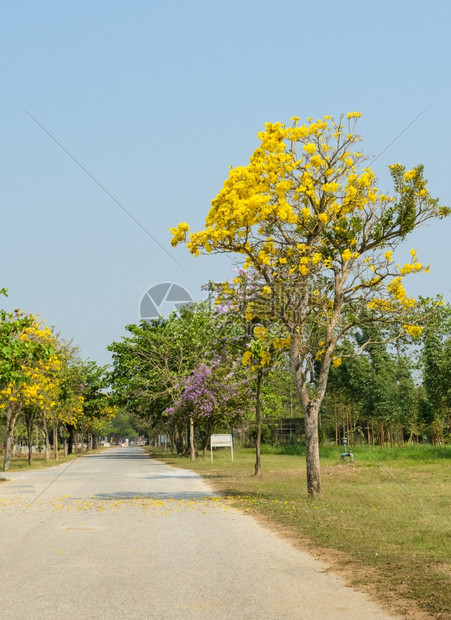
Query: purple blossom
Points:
[214, 391]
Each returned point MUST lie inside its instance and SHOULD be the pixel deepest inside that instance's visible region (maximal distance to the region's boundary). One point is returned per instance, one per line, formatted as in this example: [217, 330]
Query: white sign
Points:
[221, 441]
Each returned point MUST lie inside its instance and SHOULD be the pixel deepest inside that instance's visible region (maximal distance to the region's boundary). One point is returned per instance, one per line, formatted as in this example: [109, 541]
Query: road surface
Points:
[118, 535]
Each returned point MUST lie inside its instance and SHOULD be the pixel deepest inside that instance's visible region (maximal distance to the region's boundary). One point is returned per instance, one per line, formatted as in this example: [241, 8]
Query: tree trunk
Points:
[192, 449]
[208, 432]
[29, 442]
[179, 441]
[45, 434]
[8, 446]
[71, 440]
[258, 470]
[312, 449]
[55, 441]
[310, 409]
[11, 417]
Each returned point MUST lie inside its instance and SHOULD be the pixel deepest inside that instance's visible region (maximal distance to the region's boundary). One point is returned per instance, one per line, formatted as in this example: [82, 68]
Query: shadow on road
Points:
[168, 477]
[118, 455]
[129, 495]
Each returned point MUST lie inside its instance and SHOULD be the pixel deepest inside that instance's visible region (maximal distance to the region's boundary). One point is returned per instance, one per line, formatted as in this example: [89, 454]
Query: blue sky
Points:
[157, 99]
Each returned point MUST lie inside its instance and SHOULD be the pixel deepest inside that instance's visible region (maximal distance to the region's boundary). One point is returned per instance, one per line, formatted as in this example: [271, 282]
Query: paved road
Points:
[118, 535]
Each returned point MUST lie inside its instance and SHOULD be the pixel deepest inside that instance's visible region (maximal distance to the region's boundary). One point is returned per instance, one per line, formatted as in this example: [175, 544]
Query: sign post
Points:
[221, 441]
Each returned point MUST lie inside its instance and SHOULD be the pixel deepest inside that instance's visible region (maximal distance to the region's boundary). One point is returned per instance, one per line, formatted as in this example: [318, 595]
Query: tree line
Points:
[46, 387]
[208, 368]
[202, 371]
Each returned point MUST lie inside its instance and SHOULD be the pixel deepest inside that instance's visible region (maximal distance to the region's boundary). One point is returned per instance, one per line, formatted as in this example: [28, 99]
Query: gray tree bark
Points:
[11, 417]
[258, 440]
[192, 448]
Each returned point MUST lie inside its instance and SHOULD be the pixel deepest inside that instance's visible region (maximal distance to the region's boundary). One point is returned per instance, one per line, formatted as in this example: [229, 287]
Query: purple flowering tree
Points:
[216, 394]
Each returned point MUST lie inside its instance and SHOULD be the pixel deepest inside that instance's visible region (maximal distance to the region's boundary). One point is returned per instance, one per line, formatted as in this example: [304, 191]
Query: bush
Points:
[265, 434]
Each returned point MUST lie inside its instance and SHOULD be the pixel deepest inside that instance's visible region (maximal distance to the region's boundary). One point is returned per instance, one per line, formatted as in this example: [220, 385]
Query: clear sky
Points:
[156, 99]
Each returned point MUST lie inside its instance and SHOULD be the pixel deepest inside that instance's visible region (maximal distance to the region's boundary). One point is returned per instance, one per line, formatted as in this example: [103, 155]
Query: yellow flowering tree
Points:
[70, 400]
[84, 409]
[32, 384]
[39, 394]
[307, 215]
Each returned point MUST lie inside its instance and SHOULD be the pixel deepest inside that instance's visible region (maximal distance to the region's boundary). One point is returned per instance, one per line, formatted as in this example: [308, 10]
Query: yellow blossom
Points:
[265, 358]
[316, 258]
[246, 358]
[413, 330]
[316, 160]
[346, 255]
[282, 343]
[310, 148]
[259, 331]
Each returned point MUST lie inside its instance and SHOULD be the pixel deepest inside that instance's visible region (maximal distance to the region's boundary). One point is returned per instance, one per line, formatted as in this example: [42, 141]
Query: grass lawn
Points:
[383, 521]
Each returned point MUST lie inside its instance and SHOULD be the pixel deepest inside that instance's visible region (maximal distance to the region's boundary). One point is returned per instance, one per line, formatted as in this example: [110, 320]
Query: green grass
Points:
[369, 455]
[390, 530]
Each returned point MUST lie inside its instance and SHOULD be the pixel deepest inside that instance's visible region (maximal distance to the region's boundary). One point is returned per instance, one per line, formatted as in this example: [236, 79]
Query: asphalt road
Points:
[118, 535]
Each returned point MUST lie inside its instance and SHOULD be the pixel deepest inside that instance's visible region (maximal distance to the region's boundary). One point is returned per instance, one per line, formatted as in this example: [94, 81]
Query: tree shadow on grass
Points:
[206, 475]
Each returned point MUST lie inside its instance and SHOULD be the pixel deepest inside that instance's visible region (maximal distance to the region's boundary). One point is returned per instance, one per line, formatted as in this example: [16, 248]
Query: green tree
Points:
[123, 426]
[149, 366]
[70, 398]
[373, 392]
[436, 367]
[98, 408]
